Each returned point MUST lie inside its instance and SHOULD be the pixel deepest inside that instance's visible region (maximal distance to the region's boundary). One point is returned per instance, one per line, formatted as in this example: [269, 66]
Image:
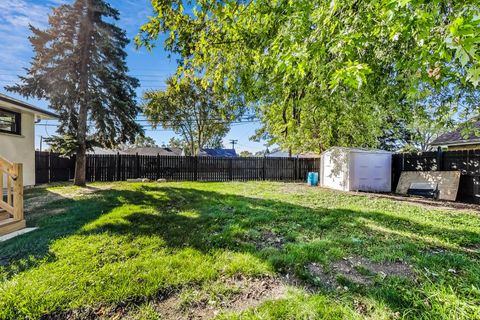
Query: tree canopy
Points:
[322, 73]
[193, 111]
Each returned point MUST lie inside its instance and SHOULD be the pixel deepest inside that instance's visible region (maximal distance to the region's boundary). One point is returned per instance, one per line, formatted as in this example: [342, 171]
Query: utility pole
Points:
[233, 142]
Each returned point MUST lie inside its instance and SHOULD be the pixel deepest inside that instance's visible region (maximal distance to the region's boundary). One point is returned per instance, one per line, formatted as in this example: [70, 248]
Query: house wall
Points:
[21, 148]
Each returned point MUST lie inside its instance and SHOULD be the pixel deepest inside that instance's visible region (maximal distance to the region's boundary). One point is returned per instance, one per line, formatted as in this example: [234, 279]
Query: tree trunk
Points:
[85, 43]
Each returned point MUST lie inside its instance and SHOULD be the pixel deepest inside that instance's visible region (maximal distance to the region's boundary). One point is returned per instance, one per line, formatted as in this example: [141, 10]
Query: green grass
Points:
[131, 243]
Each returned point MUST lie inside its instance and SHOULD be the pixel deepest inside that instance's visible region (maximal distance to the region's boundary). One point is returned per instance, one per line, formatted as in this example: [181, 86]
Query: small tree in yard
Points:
[192, 111]
[79, 67]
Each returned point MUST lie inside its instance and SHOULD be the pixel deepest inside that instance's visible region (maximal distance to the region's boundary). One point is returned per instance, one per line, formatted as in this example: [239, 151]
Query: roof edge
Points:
[27, 106]
[456, 142]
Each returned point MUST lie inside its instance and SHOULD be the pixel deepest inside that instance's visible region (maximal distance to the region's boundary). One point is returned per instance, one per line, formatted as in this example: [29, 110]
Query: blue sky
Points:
[151, 68]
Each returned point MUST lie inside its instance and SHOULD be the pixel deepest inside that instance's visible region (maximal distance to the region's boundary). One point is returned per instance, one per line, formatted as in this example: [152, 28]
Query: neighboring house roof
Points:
[98, 150]
[456, 137]
[23, 106]
[153, 151]
[142, 151]
[277, 154]
[228, 153]
[283, 154]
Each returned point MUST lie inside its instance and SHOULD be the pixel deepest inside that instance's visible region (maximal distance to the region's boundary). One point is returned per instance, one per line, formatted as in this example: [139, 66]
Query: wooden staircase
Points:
[11, 197]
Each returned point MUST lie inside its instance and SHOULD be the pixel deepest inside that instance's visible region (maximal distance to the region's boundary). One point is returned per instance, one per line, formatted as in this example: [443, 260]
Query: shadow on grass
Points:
[207, 220]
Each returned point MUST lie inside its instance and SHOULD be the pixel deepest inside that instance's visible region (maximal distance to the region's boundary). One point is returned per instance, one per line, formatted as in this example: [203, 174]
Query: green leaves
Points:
[305, 65]
[192, 110]
[353, 75]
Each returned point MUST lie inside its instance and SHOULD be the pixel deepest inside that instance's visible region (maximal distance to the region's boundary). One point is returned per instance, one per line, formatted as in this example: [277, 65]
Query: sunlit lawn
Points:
[137, 244]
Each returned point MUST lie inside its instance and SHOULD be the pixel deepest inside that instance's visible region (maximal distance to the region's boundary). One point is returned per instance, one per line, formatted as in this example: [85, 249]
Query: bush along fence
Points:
[51, 167]
[467, 161]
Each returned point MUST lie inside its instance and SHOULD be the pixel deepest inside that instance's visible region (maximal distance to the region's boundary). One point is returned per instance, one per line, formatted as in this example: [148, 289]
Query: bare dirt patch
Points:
[269, 239]
[38, 200]
[295, 188]
[246, 293]
[358, 270]
[474, 248]
[251, 293]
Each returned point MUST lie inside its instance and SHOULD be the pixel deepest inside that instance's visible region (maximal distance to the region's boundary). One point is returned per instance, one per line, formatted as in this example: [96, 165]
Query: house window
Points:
[10, 121]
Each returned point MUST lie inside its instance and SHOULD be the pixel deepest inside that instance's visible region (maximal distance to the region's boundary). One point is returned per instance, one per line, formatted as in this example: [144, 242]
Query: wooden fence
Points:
[468, 162]
[52, 167]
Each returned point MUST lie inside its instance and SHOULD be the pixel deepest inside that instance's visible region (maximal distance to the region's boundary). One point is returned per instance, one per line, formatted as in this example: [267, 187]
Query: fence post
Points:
[137, 166]
[263, 167]
[117, 167]
[230, 169]
[49, 167]
[295, 168]
[195, 158]
[468, 162]
[158, 166]
[439, 159]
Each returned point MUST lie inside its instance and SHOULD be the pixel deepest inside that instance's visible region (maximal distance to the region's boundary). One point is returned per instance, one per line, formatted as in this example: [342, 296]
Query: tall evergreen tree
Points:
[79, 67]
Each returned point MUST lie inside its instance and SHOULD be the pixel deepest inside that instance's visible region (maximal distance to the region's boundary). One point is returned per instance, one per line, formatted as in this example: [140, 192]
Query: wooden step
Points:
[10, 225]
[4, 215]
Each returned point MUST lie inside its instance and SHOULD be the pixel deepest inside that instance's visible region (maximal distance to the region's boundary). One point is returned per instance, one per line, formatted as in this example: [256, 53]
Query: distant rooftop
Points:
[153, 151]
[142, 151]
[456, 137]
[226, 153]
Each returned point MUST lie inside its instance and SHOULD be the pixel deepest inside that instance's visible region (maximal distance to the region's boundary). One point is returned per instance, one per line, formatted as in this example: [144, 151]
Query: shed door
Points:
[371, 172]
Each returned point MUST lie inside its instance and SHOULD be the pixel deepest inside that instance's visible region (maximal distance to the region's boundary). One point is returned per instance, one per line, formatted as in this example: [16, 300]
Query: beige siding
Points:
[21, 148]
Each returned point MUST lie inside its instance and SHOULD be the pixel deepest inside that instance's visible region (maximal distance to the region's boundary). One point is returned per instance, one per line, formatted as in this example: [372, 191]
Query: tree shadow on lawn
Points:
[286, 235]
[56, 218]
[290, 236]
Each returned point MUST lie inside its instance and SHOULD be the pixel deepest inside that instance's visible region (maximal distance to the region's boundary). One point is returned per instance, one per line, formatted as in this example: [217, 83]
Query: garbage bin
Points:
[312, 179]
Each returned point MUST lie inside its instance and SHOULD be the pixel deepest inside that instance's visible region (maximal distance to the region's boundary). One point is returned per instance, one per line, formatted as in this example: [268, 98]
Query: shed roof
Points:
[358, 150]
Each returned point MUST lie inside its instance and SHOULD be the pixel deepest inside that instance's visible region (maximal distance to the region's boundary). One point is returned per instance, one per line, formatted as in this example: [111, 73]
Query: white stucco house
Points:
[17, 133]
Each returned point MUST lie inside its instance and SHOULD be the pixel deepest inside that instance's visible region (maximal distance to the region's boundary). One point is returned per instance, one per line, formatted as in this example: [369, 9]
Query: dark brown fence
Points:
[52, 167]
[467, 161]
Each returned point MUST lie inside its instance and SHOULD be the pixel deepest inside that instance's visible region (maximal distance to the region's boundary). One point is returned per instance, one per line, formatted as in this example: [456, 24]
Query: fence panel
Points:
[466, 161]
[52, 167]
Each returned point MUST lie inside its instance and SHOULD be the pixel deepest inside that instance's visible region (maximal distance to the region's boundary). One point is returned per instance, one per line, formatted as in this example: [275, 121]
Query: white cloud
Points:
[15, 18]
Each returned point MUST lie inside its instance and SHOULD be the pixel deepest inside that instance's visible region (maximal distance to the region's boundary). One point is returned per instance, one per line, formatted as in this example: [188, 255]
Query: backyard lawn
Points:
[256, 250]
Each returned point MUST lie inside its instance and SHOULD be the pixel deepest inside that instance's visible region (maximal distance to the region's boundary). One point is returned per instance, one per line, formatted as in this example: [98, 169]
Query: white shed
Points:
[353, 169]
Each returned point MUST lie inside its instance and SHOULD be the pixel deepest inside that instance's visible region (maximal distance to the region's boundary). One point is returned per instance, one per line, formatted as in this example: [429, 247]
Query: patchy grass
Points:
[238, 250]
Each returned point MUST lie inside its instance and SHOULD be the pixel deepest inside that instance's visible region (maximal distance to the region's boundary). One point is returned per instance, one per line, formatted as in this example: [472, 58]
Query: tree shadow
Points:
[56, 217]
[208, 220]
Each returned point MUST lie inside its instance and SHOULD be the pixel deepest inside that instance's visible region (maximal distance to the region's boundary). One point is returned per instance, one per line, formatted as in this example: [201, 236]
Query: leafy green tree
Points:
[323, 73]
[79, 67]
[139, 142]
[193, 111]
[246, 153]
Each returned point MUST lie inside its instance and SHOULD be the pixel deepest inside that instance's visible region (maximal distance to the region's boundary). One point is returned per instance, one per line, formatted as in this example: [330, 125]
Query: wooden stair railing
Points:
[11, 197]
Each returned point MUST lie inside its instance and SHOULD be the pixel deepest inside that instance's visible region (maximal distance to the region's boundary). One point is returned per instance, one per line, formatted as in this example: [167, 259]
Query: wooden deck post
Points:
[11, 209]
[18, 191]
